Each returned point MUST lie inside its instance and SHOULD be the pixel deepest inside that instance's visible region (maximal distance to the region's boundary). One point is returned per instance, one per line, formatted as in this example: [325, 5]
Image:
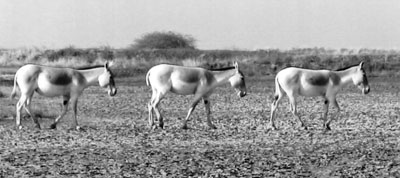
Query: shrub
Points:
[89, 55]
[106, 53]
[164, 40]
[132, 61]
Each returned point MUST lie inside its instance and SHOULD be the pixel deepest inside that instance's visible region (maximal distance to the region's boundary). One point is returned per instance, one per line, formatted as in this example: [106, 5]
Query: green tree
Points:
[164, 40]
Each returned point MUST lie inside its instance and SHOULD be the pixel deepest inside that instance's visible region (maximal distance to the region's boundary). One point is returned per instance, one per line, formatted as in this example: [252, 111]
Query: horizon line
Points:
[42, 47]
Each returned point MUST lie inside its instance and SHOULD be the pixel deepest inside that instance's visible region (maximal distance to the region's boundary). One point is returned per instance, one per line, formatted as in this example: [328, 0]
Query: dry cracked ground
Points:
[116, 141]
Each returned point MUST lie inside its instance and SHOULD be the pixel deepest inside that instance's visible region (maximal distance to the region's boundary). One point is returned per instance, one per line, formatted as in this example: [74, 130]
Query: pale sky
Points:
[216, 24]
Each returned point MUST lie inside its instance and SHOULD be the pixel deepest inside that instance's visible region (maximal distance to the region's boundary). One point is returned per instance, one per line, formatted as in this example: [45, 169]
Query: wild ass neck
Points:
[223, 77]
[92, 75]
[346, 76]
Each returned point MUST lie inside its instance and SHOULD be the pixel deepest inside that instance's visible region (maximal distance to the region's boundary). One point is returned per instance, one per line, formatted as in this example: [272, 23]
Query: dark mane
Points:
[89, 67]
[204, 67]
[222, 69]
[345, 68]
[226, 68]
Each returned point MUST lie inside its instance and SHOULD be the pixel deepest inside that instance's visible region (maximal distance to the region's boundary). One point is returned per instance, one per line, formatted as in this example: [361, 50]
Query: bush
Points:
[131, 61]
[88, 55]
[106, 53]
[164, 40]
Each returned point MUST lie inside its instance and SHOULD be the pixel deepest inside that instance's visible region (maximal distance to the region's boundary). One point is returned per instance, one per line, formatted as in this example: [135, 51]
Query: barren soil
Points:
[116, 141]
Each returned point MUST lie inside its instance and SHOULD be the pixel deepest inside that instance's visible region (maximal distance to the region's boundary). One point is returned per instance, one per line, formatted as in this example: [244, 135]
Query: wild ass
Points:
[195, 81]
[55, 81]
[295, 81]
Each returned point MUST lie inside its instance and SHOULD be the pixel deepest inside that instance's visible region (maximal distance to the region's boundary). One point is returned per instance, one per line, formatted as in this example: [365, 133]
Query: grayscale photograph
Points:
[199, 88]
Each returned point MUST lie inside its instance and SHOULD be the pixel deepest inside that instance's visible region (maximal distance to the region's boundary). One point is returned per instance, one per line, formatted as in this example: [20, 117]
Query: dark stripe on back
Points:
[89, 67]
[227, 68]
[348, 67]
[223, 69]
[218, 69]
[211, 69]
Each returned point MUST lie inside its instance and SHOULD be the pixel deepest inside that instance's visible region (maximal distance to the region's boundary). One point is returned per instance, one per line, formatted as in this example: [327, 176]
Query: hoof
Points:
[212, 126]
[327, 127]
[271, 127]
[184, 127]
[38, 126]
[53, 126]
[77, 128]
[18, 127]
[161, 125]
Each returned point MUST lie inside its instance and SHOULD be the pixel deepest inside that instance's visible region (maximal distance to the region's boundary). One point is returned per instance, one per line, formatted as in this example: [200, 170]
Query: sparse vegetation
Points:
[262, 62]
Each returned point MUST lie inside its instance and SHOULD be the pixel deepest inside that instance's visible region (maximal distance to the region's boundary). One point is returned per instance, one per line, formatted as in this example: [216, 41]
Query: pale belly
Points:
[45, 88]
[182, 88]
[312, 90]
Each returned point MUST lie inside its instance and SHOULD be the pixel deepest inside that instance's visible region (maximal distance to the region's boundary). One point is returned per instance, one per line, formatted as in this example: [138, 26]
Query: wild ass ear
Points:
[361, 65]
[236, 65]
[108, 64]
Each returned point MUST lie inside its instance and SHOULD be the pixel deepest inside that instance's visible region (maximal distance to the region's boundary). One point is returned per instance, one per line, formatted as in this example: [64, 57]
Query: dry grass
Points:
[193, 62]
[260, 63]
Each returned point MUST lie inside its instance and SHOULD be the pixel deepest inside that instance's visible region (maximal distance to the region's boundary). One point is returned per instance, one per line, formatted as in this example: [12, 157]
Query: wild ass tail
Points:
[14, 91]
[147, 78]
[278, 89]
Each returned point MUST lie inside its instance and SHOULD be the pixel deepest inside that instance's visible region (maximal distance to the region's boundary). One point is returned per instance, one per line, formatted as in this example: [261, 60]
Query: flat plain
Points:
[116, 141]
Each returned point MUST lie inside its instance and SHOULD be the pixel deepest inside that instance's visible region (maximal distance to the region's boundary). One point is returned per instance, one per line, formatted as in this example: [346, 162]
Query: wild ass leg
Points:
[63, 112]
[28, 109]
[335, 104]
[326, 109]
[20, 104]
[208, 110]
[292, 100]
[274, 106]
[74, 108]
[156, 109]
[150, 108]
[192, 107]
